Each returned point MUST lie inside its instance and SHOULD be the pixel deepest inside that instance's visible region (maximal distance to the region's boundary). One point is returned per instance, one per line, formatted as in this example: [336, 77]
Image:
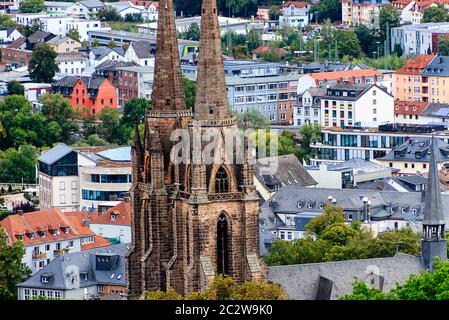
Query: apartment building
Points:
[354, 76]
[341, 144]
[436, 76]
[265, 94]
[134, 82]
[94, 93]
[308, 108]
[356, 105]
[295, 14]
[410, 85]
[362, 12]
[86, 9]
[107, 178]
[412, 156]
[416, 39]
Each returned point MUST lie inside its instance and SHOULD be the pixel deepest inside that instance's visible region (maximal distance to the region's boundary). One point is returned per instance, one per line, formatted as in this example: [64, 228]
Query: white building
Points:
[98, 55]
[33, 91]
[58, 178]
[416, 39]
[239, 26]
[8, 35]
[151, 13]
[61, 25]
[295, 14]
[308, 109]
[45, 235]
[27, 19]
[108, 178]
[56, 7]
[356, 105]
[71, 63]
[413, 12]
[141, 52]
[126, 7]
[85, 9]
[115, 223]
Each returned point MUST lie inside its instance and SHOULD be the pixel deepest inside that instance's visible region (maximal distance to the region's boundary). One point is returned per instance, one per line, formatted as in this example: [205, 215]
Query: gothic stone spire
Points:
[433, 212]
[434, 243]
[211, 96]
[168, 92]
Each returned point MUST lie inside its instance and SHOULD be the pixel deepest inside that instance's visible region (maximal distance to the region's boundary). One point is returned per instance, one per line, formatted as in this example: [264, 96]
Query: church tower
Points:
[434, 242]
[193, 219]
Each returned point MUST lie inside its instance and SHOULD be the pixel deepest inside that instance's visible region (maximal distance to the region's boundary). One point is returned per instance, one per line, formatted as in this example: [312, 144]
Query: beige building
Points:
[365, 12]
[436, 75]
[64, 44]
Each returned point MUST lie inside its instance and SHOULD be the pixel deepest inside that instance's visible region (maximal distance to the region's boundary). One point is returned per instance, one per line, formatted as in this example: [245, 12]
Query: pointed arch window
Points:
[221, 181]
[222, 245]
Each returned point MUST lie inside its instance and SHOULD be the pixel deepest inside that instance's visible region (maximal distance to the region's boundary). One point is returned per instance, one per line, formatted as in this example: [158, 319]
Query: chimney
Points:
[20, 212]
[126, 199]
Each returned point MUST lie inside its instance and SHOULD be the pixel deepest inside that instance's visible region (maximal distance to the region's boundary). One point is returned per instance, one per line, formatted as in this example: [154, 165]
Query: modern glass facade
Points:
[111, 178]
[66, 166]
[101, 195]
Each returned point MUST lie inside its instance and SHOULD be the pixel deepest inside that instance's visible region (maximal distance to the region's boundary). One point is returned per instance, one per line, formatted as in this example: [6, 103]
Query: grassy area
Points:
[124, 26]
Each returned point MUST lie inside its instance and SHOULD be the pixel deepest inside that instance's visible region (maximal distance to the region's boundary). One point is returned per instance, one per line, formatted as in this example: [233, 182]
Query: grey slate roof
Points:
[51, 156]
[437, 110]
[438, 67]
[358, 90]
[9, 30]
[90, 82]
[401, 205]
[143, 49]
[433, 210]
[92, 3]
[301, 282]
[83, 261]
[101, 52]
[416, 149]
[117, 154]
[112, 65]
[39, 36]
[288, 171]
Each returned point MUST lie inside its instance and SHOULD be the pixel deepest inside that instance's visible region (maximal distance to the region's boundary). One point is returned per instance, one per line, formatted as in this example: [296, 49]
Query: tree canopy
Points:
[425, 286]
[12, 271]
[15, 87]
[192, 32]
[226, 288]
[16, 165]
[134, 111]
[31, 6]
[327, 9]
[329, 238]
[42, 66]
[435, 14]
[443, 46]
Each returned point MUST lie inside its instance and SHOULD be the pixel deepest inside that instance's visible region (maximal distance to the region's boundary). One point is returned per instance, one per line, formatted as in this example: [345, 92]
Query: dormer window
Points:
[20, 237]
[32, 236]
[67, 230]
[44, 279]
[84, 276]
[299, 205]
[310, 205]
[54, 232]
[42, 234]
[114, 217]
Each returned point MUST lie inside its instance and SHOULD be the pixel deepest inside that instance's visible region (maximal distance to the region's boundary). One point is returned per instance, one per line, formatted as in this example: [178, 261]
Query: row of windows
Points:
[101, 195]
[260, 87]
[111, 178]
[34, 293]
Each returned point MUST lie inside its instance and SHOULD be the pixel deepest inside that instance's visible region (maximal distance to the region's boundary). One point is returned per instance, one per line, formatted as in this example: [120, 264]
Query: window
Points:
[283, 96]
[61, 185]
[272, 86]
[74, 198]
[26, 294]
[57, 294]
[47, 247]
[250, 99]
[71, 244]
[250, 88]
[239, 89]
[238, 100]
[62, 198]
[283, 85]
[221, 181]
[272, 97]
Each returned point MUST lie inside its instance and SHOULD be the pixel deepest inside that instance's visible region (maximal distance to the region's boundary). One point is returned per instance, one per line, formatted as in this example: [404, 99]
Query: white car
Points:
[3, 208]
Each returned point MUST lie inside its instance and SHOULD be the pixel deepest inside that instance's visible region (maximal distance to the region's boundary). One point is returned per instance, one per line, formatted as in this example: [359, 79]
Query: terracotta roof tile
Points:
[410, 107]
[339, 75]
[122, 213]
[297, 4]
[415, 66]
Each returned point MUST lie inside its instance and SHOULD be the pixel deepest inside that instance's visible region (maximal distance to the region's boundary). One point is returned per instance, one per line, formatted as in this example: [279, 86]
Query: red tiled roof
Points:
[415, 66]
[83, 230]
[30, 223]
[337, 75]
[17, 43]
[410, 107]
[263, 49]
[297, 4]
[122, 213]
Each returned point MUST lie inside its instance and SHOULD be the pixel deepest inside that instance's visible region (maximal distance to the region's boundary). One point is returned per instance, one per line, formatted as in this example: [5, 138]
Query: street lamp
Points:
[378, 53]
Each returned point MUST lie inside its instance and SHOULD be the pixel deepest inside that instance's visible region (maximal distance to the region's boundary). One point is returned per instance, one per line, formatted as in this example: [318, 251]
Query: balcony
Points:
[40, 255]
[60, 252]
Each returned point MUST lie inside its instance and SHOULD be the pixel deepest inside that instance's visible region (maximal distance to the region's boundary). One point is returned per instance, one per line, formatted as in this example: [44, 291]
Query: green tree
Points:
[425, 286]
[348, 44]
[134, 111]
[367, 38]
[309, 135]
[18, 164]
[134, 17]
[112, 44]
[7, 21]
[254, 39]
[36, 25]
[435, 14]
[58, 109]
[443, 46]
[226, 288]
[74, 34]
[189, 92]
[327, 9]
[22, 126]
[192, 32]
[15, 87]
[12, 271]
[42, 66]
[110, 128]
[398, 50]
[390, 16]
[92, 140]
[254, 119]
[274, 13]
[108, 14]
[95, 43]
[31, 6]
